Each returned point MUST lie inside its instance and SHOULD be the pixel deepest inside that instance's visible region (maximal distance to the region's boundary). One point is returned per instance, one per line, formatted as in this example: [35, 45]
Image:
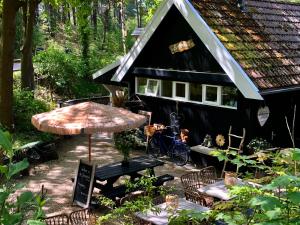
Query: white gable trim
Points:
[107, 68]
[209, 39]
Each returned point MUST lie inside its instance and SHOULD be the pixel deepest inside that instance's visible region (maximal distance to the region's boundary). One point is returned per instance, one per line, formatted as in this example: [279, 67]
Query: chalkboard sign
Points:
[83, 184]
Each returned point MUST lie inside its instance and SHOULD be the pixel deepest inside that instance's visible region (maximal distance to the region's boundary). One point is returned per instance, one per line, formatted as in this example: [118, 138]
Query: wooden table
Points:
[112, 172]
[162, 217]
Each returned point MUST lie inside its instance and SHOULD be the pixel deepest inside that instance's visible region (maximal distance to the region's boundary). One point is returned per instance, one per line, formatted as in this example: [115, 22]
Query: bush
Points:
[25, 106]
[62, 72]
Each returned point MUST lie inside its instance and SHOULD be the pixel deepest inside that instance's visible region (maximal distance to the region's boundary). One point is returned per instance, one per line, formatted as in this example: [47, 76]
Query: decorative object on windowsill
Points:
[263, 115]
[230, 178]
[181, 46]
[118, 100]
[184, 135]
[172, 202]
[207, 142]
[220, 140]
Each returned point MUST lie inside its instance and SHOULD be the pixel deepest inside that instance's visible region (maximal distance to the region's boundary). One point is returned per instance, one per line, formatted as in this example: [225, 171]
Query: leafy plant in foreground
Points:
[27, 206]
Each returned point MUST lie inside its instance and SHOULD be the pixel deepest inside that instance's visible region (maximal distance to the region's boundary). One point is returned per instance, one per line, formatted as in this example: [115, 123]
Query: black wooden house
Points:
[218, 63]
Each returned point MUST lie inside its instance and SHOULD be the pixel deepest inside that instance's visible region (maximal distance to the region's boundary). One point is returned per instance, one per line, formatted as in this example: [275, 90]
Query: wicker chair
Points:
[192, 181]
[82, 217]
[62, 219]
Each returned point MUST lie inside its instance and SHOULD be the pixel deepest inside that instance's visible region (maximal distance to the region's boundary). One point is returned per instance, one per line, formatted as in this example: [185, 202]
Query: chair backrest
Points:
[61, 219]
[208, 175]
[82, 217]
[175, 123]
[241, 140]
[191, 181]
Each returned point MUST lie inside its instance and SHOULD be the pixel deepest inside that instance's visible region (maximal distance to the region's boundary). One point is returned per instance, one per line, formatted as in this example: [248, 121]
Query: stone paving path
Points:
[56, 175]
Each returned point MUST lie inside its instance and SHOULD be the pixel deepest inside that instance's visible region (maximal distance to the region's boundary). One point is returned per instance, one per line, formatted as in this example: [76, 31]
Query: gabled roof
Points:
[210, 40]
[264, 39]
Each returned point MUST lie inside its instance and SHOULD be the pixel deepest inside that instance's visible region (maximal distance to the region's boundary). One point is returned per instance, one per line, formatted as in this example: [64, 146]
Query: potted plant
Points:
[125, 142]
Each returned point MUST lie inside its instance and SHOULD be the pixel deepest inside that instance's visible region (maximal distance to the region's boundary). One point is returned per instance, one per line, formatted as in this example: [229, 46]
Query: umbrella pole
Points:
[90, 147]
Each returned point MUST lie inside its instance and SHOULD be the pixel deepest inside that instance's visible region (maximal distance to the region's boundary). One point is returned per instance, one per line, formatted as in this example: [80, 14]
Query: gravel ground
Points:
[56, 175]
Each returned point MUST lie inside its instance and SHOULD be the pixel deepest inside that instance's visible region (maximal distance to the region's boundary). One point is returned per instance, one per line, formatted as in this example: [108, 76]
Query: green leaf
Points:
[3, 196]
[15, 168]
[6, 143]
[35, 222]
[296, 154]
[266, 203]
[274, 214]
[3, 169]
[25, 197]
[12, 219]
[294, 197]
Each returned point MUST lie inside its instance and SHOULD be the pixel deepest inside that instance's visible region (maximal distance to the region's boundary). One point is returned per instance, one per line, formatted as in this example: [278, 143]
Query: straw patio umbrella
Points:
[87, 118]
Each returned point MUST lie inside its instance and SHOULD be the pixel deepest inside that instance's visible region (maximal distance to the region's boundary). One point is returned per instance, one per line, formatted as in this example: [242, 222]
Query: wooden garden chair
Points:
[61, 219]
[82, 217]
[192, 181]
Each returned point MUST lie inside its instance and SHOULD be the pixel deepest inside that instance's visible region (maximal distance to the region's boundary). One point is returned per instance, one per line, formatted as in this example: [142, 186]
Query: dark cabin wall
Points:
[275, 130]
[203, 119]
[174, 29]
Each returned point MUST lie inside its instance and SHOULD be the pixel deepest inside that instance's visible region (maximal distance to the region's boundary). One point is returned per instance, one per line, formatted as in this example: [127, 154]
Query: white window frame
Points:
[227, 106]
[137, 85]
[161, 89]
[156, 88]
[186, 98]
[218, 102]
[187, 93]
[193, 101]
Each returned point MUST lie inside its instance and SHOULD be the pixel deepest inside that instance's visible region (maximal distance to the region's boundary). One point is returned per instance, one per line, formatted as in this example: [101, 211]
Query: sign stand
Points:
[83, 184]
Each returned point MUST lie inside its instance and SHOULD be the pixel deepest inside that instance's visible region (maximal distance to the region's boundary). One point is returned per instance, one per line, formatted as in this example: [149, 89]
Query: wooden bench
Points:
[203, 150]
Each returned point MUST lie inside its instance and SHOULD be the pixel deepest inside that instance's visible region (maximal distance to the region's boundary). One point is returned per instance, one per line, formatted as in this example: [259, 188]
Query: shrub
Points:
[25, 106]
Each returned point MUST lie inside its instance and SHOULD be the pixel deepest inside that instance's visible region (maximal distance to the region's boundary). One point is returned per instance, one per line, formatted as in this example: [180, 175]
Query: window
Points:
[196, 92]
[166, 88]
[180, 90]
[141, 84]
[205, 94]
[211, 94]
[229, 96]
[152, 87]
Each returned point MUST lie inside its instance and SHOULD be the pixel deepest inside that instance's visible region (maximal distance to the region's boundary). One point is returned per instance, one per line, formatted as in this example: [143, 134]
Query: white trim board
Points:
[206, 35]
[108, 68]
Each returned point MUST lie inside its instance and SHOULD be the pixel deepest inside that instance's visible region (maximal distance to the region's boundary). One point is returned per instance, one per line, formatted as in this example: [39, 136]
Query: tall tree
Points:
[123, 25]
[27, 77]
[83, 13]
[10, 8]
[95, 17]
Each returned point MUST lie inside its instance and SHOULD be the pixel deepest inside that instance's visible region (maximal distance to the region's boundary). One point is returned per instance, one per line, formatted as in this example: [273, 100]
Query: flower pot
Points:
[230, 178]
[172, 201]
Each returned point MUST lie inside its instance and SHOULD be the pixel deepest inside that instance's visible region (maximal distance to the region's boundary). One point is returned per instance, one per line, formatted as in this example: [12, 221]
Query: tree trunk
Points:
[106, 22]
[94, 17]
[10, 8]
[74, 16]
[27, 72]
[123, 25]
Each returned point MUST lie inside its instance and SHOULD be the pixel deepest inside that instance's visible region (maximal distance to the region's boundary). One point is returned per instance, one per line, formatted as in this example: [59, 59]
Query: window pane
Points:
[180, 90]
[211, 94]
[166, 88]
[229, 96]
[196, 92]
[152, 87]
[141, 85]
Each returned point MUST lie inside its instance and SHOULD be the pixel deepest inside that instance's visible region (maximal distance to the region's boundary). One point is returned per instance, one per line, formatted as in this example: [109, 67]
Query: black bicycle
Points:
[163, 142]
